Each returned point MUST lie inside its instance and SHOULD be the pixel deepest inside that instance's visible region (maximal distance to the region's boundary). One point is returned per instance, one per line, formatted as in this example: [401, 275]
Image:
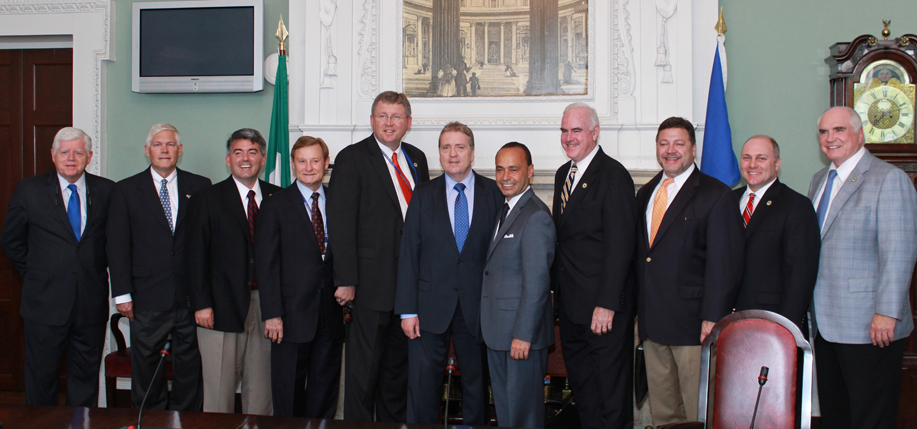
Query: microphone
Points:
[162, 358]
[762, 379]
[450, 368]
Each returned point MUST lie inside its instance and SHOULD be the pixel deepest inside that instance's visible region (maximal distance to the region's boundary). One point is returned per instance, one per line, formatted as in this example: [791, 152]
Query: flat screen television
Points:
[197, 46]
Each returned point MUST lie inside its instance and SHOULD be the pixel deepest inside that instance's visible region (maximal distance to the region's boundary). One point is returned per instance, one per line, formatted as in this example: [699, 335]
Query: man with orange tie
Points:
[373, 181]
[690, 249]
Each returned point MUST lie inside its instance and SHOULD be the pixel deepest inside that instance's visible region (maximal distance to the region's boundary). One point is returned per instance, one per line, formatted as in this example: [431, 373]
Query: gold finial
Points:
[281, 35]
[885, 32]
[720, 26]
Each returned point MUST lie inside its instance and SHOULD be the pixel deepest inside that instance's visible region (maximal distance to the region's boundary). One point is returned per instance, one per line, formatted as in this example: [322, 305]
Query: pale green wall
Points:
[778, 80]
[205, 120]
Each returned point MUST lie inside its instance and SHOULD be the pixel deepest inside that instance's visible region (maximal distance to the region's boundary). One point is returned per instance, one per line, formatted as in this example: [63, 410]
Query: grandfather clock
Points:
[876, 77]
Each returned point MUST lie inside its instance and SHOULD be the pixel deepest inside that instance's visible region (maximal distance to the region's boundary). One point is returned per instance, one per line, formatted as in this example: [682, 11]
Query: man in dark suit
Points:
[449, 225]
[373, 181]
[592, 272]
[54, 234]
[690, 258]
[517, 316]
[295, 278]
[146, 248]
[781, 237]
[224, 292]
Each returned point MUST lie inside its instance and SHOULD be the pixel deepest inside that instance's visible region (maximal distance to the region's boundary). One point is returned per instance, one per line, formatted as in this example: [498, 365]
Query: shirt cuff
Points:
[121, 299]
[407, 316]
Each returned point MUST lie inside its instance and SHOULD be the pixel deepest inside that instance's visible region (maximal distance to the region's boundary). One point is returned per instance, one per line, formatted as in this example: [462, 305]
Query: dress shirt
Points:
[405, 168]
[451, 194]
[322, 199]
[843, 172]
[171, 186]
[243, 193]
[81, 191]
[672, 189]
[758, 195]
[581, 168]
[511, 203]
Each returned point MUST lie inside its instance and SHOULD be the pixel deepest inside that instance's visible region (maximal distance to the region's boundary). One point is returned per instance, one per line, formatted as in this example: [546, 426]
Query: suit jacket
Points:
[220, 253]
[367, 222]
[146, 259]
[593, 265]
[516, 294]
[868, 249]
[781, 254]
[433, 276]
[56, 268]
[693, 271]
[295, 283]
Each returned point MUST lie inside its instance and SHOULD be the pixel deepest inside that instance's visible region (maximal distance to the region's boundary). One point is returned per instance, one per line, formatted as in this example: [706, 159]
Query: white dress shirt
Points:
[243, 193]
[843, 172]
[672, 190]
[81, 191]
[758, 195]
[405, 168]
[581, 168]
[172, 187]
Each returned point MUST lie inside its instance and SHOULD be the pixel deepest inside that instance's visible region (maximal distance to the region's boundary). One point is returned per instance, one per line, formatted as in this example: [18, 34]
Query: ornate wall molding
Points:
[368, 37]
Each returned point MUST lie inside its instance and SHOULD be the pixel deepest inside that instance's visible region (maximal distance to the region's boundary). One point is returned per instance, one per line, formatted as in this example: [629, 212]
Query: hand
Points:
[706, 327]
[411, 327]
[519, 350]
[601, 320]
[273, 330]
[344, 294]
[204, 318]
[882, 330]
[127, 310]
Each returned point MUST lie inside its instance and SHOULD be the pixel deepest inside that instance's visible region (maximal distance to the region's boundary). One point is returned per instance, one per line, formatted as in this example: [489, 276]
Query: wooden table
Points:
[14, 417]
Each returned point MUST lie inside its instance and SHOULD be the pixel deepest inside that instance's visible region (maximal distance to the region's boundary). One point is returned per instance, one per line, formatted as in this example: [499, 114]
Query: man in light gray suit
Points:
[516, 318]
[867, 211]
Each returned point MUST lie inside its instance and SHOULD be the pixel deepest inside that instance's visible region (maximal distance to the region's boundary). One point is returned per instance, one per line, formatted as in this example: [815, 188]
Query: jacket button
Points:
[649, 259]
[251, 261]
[486, 273]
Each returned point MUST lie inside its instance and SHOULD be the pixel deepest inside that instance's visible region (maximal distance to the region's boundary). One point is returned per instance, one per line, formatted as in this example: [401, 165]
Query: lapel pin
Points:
[854, 179]
[415, 164]
[769, 202]
[188, 196]
[584, 186]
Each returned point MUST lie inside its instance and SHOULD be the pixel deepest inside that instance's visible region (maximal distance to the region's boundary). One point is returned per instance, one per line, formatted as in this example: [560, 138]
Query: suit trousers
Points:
[601, 370]
[149, 331]
[518, 387]
[673, 375]
[228, 357]
[427, 357]
[376, 367]
[306, 377]
[44, 350]
[858, 384]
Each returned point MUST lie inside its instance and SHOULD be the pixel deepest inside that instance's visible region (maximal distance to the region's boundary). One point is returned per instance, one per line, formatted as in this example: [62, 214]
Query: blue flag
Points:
[719, 159]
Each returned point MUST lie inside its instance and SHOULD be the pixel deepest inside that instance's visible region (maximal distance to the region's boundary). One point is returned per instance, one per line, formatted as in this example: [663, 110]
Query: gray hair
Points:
[855, 122]
[158, 128]
[247, 134]
[71, 133]
[593, 116]
[768, 138]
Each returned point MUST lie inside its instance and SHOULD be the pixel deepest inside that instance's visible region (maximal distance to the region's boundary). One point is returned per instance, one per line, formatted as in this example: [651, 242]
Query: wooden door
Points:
[36, 100]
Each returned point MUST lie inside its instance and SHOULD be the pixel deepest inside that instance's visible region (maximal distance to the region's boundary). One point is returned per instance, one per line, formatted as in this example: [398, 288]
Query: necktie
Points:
[660, 203]
[749, 208]
[166, 204]
[73, 211]
[825, 198]
[402, 180]
[252, 218]
[318, 224]
[461, 216]
[503, 214]
[568, 186]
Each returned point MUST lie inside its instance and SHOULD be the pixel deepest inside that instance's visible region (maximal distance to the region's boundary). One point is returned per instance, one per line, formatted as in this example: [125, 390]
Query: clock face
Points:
[887, 113]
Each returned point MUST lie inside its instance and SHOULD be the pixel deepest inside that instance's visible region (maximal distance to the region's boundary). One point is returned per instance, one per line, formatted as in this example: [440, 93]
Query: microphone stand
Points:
[450, 368]
[162, 358]
[762, 378]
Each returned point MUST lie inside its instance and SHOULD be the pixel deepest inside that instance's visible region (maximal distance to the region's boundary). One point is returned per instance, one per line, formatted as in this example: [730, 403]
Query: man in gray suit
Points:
[516, 317]
[867, 211]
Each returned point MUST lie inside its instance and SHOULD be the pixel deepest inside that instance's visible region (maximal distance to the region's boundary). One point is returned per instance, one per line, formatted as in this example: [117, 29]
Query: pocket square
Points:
[508, 236]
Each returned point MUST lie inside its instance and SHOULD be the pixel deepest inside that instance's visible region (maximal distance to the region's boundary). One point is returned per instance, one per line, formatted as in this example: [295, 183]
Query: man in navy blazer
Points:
[146, 254]
[54, 234]
[517, 315]
[293, 268]
[690, 258]
[447, 231]
[781, 237]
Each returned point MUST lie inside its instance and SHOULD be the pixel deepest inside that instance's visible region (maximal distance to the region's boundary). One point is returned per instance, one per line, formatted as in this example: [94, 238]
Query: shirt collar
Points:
[844, 170]
[243, 190]
[158, 179]
[760, 192]
[512, 201]
[80, 183]
[307, 193]
[681, 178]
[468, 181]
[584, 163]
[385, 149]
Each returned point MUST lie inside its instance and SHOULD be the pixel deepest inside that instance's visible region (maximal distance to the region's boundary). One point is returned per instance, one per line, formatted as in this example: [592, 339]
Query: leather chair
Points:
[118, 363]
[744, 342]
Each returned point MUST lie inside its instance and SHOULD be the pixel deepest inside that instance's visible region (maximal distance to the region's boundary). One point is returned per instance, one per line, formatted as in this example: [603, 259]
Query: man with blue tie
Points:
[54, 234]
[867, 212]
[447, 231]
